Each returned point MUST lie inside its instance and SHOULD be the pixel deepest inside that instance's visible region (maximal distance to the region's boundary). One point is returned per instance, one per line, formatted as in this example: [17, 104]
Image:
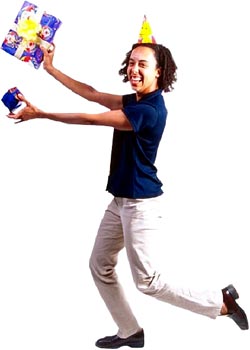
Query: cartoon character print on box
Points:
[32, 27]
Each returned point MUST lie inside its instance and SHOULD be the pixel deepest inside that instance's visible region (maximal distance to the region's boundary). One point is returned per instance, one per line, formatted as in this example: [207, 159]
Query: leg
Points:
[141, 225]
[108, 243]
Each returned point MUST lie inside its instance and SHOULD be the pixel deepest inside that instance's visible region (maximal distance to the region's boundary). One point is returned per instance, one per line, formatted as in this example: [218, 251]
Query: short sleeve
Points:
[141, 116]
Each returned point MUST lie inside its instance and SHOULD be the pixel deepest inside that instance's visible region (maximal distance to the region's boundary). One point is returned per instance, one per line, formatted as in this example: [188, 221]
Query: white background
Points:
[53, 176]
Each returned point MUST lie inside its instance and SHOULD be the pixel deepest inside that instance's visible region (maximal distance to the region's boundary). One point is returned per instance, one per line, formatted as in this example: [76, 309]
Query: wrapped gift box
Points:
[10, 99]
[32, 27]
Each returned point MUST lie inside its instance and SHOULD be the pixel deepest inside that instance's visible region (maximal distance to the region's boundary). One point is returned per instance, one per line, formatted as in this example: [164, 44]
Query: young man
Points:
[132, 218]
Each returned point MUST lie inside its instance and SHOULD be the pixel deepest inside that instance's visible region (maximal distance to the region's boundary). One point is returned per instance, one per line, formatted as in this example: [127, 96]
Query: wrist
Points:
[41, 114]
[50, 69]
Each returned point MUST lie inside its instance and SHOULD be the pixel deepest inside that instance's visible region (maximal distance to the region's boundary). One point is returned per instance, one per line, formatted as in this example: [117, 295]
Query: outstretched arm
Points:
[115, 118]
[113, 102]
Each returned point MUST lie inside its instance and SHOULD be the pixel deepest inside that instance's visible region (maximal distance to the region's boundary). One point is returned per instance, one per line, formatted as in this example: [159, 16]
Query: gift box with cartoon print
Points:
[32, 27]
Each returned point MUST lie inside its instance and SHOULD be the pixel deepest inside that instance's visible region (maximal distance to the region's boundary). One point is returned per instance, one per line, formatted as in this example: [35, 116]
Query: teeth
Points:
[136, 79]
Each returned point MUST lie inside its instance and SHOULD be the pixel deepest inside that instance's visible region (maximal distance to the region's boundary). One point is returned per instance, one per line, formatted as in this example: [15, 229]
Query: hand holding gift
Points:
[48, 56]
[26, 113]
[32, 28]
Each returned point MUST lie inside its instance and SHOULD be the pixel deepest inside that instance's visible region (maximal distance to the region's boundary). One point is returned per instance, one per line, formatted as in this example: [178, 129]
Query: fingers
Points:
[24, 114]
[12, 115]
[51, 48]
[19, 117]
[21, 98]
[48, 50]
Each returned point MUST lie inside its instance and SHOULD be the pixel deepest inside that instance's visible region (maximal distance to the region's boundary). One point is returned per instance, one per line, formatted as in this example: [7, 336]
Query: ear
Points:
[158, 72]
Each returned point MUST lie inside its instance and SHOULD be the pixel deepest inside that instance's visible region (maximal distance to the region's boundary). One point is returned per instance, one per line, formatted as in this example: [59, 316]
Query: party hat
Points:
[145, 35]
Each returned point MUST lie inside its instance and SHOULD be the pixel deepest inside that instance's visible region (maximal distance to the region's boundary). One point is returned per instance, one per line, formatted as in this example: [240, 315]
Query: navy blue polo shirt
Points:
[132, 170]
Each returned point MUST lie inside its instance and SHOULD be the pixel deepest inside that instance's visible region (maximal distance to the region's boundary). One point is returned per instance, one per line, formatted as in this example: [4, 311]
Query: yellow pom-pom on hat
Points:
[146, 34]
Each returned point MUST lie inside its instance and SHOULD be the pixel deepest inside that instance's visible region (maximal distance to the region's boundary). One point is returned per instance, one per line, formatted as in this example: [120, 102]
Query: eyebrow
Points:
[144, 61]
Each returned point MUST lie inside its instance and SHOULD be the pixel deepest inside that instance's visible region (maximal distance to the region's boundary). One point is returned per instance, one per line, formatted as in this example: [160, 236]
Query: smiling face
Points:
[142, 71]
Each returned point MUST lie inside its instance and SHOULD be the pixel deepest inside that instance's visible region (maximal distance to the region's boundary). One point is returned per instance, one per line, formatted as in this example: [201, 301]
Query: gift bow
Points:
[29, 29]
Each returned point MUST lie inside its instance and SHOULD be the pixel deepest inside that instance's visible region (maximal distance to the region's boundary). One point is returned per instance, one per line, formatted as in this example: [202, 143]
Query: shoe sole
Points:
[119, 346]
[136, 345]
[131, 344]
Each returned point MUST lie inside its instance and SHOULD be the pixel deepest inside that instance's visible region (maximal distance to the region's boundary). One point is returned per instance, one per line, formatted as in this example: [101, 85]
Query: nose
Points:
[135, 68]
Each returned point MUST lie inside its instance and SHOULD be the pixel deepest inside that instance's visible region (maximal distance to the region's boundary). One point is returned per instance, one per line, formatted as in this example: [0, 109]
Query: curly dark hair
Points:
[165, 62]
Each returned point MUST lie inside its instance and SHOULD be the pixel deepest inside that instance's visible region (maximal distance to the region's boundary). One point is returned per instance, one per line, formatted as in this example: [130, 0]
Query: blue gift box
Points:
[10, 99]
[29, 50]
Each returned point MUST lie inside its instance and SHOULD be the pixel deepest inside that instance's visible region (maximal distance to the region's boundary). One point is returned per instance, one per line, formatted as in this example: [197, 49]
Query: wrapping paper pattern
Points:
[27, 47]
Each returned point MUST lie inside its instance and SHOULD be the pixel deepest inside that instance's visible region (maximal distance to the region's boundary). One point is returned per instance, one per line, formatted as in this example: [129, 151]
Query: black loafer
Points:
[235, 312]
[114, 342]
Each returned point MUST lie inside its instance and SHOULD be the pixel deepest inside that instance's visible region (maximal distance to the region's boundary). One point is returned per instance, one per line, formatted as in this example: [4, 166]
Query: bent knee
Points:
[102, 271]
[95, 265]
[146, 284]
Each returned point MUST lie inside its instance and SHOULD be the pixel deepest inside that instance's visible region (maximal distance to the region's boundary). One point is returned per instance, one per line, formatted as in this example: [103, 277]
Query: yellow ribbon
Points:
[28, 29]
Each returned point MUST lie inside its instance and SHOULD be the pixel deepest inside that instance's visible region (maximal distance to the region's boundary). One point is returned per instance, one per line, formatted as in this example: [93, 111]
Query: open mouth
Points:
[135, 80]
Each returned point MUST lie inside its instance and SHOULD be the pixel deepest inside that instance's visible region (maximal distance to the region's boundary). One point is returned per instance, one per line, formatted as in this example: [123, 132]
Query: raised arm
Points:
[113, 102]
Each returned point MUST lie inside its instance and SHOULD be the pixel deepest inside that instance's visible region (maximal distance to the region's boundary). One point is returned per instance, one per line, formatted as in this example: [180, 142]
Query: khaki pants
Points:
[134, 224]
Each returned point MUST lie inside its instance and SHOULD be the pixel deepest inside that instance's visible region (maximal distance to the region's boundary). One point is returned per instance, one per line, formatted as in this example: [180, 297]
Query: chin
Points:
[134, 88]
